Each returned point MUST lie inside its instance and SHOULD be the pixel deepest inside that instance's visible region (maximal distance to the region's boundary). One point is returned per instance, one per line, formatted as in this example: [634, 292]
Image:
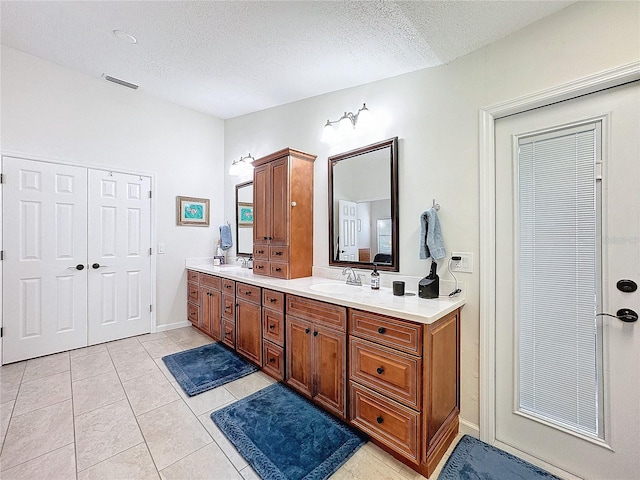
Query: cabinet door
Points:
[280, 202]
[262, 204]
[330, 369]
[209, 320]
[299, 355]
[249, 331]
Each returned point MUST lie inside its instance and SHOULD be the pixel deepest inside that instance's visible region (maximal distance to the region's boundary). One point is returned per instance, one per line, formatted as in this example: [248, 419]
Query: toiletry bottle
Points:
[375, 278]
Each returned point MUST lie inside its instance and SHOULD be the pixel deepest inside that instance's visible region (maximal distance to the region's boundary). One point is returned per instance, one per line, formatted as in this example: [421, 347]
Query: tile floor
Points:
[113, 411]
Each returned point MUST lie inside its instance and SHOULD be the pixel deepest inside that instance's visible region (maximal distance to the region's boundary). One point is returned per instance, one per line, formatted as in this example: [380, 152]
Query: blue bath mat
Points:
[473, 460]
[283, 436]
[203, 368]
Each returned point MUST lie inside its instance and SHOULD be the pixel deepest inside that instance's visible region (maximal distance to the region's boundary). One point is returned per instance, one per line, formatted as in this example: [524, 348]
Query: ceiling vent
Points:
[120, 82]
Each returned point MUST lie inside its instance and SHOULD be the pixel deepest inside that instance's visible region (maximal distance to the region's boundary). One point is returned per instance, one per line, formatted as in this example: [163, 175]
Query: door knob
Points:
[77, 267]
[624, 314]
[627, 286]
[380, 370]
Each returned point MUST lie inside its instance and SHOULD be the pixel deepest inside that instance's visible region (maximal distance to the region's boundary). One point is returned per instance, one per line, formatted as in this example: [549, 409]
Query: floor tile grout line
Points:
[73, 426]
[39, 456]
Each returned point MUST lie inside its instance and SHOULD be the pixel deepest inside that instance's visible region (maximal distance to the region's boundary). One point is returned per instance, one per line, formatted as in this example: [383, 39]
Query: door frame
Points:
[39, 158]
[487, 163]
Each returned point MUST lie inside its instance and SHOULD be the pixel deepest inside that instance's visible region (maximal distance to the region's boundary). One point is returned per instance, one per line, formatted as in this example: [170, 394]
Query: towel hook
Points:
[435, 205]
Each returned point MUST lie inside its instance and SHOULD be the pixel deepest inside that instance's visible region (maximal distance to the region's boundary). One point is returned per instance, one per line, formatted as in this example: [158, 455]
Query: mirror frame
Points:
[238, 253]
[393, 170]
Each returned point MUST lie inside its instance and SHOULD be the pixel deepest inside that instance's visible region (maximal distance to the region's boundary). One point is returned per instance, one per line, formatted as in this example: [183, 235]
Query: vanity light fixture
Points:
[242, 166]
[348, 119]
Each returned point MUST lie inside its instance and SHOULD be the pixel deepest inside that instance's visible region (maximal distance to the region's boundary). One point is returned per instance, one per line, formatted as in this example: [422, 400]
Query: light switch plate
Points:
[161, 247]
[465, 265]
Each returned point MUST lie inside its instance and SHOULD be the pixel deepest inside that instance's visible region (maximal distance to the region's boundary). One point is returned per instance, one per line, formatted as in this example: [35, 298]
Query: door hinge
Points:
[1, 331]
[1, 177]
[1, 254]
[149, 193]
[151, 308]
[150, 250]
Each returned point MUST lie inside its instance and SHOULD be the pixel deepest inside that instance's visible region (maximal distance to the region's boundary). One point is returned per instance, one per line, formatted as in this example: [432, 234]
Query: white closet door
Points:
[119, 257]
[44, 269]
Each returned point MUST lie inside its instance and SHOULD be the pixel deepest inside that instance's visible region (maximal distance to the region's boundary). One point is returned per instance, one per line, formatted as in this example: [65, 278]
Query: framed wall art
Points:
[192, 211]
[245, 214]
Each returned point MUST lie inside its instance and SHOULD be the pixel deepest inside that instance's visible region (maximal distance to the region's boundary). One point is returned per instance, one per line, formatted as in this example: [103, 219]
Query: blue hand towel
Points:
[226, 241]
[431, 241]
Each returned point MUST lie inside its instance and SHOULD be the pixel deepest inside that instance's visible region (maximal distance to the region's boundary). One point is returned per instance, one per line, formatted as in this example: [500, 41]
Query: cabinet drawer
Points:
[249, 293]
[229, 333]
[387, 331]
[390, 372]
[193, 293]
[273, 326]
[279, 254]
[260, 252]
[273, 358]
[210, 281]
[228, 286]
[392, 424]
[323, 313]
[273, 300]
[228, 306]
[193, 276]
[261, 267]
[279, 270]
[193, 313]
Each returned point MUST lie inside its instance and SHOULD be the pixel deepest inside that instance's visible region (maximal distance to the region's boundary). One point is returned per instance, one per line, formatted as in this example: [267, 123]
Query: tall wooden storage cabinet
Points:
[283, 214]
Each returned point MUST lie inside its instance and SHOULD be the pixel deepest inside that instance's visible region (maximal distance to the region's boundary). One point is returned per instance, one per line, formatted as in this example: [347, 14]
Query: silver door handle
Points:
[97, 265]
[77, 267]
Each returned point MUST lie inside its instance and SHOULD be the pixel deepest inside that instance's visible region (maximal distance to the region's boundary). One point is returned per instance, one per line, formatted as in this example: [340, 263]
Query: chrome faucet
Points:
[244, 262]
[352, 277]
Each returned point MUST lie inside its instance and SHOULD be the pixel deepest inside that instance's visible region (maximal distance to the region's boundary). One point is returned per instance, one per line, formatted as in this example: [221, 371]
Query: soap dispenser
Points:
[375, 278]
[429, 286]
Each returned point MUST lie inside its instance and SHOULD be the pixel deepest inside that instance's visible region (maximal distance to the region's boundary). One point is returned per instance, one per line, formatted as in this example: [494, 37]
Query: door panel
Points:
[249, 331]
[299, 369]
[280, 199]
[261, 202]
[330, 363]
[44, 228]
[613, 455]
[119, 242]
[348, 241]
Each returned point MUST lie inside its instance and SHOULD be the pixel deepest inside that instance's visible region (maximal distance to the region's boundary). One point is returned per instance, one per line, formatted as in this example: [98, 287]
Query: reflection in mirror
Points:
[363, 207]
[244, 218]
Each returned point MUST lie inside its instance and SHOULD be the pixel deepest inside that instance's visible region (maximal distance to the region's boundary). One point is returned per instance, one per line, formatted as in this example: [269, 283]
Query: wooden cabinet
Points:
[404, 385]
[204, 299]
[249, 322]
[273, 332]
[283, 214]
[316, 352]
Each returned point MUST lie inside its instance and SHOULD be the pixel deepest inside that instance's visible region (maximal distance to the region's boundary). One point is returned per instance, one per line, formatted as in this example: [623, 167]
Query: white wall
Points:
[53, 112]
[434, 113]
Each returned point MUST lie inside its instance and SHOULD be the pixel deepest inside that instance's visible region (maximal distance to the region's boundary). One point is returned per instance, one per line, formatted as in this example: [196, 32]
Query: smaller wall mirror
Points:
[363, 207]
[244, 219]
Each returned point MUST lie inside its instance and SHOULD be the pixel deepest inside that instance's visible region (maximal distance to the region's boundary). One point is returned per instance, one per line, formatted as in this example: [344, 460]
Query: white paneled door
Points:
[77, 260]
[348, 242]
[119, 256]
[44, 268]
[567, 379]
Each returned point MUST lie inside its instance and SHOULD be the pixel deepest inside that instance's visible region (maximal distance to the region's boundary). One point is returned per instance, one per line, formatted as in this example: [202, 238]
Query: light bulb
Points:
[345, 125]
[364, 117]
[328, 133]
[234, 169]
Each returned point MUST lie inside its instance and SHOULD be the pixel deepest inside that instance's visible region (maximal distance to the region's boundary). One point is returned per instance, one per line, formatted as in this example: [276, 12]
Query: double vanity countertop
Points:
[419, 310]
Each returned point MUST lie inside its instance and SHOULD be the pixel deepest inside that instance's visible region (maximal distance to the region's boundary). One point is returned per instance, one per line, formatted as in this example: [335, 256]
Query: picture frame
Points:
[245, 214]
[192, 211]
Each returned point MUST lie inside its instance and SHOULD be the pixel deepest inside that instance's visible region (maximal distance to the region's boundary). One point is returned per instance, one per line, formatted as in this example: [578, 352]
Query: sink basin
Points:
[335, 288]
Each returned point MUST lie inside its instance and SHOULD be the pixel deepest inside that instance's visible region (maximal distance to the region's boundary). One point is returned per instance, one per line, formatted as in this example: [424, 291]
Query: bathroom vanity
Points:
[389, 366]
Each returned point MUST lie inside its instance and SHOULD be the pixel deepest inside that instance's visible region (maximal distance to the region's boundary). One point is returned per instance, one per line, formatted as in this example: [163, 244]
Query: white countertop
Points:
[420, 310]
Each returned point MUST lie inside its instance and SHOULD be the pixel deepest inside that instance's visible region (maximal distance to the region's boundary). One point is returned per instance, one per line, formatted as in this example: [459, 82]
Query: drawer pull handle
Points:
[227, 286]
[315, 334]
[278, 253]
[260, 267]
[272, 360]
[237, 305]
[261, 251]
[381, 330]
[248, 293]
[273, 300]
[380, 370]
[306, 330]
[265, 238]
[271, 327]
[379, 419]
[278, 269]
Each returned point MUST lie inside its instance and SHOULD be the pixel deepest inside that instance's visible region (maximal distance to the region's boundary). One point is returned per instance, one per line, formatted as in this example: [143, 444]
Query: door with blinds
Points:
[567, 231]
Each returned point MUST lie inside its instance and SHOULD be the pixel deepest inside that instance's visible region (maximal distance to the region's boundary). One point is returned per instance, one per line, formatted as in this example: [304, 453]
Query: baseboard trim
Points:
[469, 428]
[172, 326]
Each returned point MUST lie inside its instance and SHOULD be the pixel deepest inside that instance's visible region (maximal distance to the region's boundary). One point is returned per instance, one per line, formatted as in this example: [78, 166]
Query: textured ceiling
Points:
[232, 58]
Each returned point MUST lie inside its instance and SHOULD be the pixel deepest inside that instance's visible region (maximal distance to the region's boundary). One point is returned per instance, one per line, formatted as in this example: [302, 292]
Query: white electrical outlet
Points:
[464, 265]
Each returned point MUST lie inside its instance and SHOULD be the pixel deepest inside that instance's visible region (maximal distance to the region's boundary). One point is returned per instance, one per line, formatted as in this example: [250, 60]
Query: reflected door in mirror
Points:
[244, 218]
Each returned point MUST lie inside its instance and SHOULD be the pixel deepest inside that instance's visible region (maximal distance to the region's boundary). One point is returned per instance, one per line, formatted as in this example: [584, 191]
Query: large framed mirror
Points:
[244, 219]
[363, 207]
